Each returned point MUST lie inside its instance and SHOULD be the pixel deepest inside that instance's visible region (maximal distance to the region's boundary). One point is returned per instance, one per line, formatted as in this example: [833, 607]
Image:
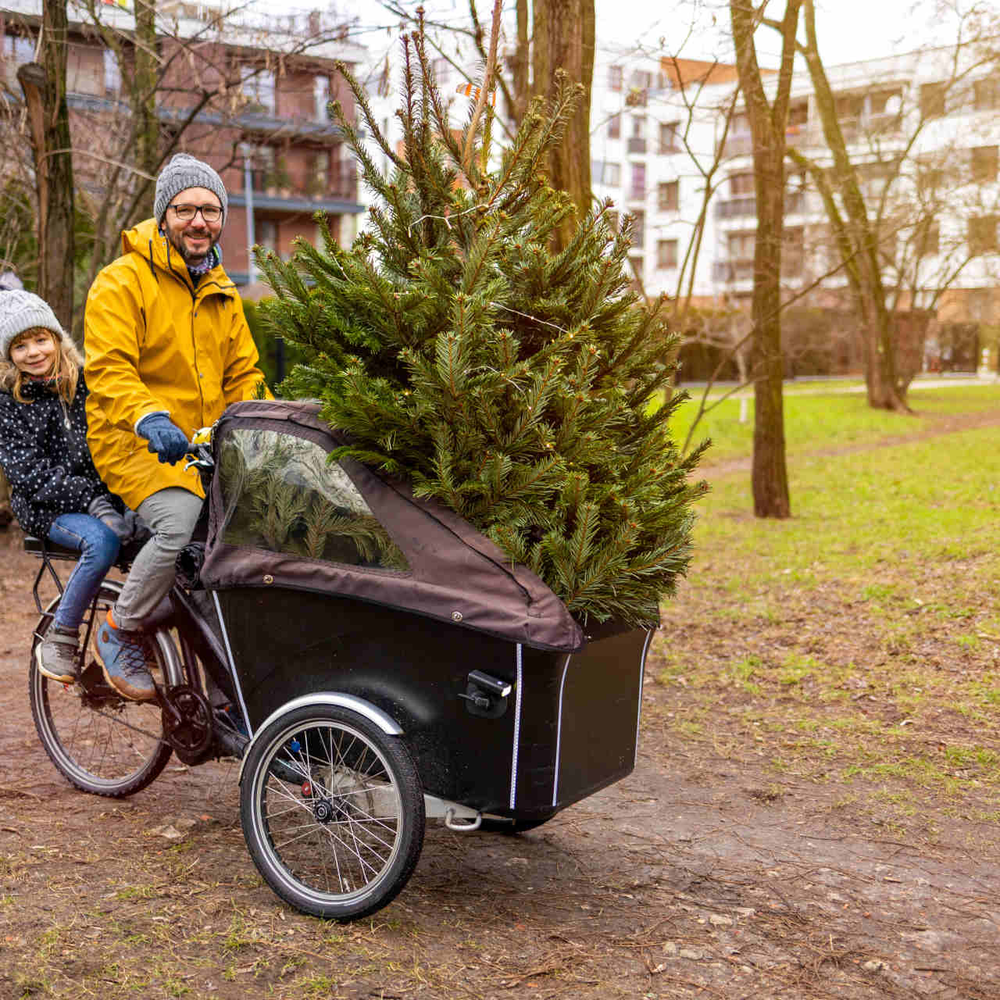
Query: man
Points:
[168, 348]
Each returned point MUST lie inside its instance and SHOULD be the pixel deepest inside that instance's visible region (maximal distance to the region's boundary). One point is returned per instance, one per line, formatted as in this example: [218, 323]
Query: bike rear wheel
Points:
[100, 742]
[332, 811]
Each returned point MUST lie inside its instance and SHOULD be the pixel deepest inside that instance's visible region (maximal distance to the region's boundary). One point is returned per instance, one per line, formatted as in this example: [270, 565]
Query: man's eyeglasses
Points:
[210, 213]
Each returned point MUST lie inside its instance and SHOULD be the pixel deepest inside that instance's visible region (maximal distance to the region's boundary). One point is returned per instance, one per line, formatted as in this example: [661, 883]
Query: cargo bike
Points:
[372, 658]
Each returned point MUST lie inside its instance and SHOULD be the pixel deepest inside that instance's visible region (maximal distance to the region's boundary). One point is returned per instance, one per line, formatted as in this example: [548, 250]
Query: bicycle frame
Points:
[194, 635]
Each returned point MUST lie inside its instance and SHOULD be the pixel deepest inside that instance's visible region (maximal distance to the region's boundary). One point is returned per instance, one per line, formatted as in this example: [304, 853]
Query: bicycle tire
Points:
[345, 842]
[105, 745]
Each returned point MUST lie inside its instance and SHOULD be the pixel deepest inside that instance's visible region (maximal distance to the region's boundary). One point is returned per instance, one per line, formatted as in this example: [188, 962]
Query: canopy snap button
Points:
[268, 578]
[456, 616]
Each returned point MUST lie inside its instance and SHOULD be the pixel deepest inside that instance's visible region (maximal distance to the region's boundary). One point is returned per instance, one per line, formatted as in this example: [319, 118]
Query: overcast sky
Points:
[846, 30]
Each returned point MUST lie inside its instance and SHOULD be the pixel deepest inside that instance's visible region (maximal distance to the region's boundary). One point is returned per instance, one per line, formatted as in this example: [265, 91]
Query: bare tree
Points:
[767, 125]
[882, 211]
[44, 86]
[174, 87]
[554, 37]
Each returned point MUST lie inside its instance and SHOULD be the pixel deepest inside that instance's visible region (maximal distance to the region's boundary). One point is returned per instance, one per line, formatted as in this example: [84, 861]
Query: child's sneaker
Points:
[57, 654]
[122, 654]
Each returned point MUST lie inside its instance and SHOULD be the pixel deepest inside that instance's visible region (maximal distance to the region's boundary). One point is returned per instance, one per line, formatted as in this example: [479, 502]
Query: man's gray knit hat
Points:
[20, 311]
[183, 172]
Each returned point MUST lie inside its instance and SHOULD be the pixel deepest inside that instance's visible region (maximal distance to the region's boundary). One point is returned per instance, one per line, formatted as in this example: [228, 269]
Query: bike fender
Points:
[352, 702]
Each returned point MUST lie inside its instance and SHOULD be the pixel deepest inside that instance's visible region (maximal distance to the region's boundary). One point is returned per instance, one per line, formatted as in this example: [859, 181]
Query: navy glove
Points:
[139, 532]
[103, 509]
[166, 440]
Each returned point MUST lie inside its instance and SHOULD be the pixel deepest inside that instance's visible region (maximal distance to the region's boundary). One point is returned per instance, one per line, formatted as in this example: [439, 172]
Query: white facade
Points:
[654, 154]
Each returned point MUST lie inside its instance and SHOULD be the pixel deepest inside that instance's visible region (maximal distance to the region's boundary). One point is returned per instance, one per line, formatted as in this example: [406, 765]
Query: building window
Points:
[983, 234]
[666, 254]
[440, 71]
[637, 140]
[670, 137]
[741, 245]
[642, 79]
[932, 99]
[258, 86]
[319, 174]
[262, 166]
[321, 98]
[15, 51]
[885, 105]
[112, 74]
[668, 196]
[267, 234]
[615, 77]
[615, 127]
[637, 189]
[986, 94]
[606, 173]
[741, 184]
[984, 164]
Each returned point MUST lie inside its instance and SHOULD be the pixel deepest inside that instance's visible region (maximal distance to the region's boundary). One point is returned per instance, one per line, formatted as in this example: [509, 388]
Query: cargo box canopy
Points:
[283, 515]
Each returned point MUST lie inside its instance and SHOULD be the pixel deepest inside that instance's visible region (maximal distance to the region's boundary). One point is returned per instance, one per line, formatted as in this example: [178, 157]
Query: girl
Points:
[55, 490]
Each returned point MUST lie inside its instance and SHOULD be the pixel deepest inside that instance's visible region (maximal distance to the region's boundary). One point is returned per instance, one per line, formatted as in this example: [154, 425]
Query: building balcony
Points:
[249, 122]
[341, 200]
[636, 145]
[736, 208]
[810, 135]
[636, 193]
[745, 206]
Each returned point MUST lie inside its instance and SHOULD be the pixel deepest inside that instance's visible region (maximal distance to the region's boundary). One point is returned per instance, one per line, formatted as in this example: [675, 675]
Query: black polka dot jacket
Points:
[43, 451]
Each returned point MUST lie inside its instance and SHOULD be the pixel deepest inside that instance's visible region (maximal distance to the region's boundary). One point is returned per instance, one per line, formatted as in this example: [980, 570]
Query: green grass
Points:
[816, 419]
[858, 640]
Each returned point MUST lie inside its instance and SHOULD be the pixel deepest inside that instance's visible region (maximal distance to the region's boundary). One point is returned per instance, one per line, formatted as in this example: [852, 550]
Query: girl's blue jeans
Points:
[98, 548]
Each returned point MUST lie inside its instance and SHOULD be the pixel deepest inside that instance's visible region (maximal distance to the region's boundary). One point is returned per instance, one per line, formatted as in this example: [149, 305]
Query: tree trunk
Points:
[767, 127]
[519, 63]
[44, 88]
[858, 239]
[564, 39]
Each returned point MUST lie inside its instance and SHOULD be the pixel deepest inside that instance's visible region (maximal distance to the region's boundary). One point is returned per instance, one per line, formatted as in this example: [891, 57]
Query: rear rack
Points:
[47, 551]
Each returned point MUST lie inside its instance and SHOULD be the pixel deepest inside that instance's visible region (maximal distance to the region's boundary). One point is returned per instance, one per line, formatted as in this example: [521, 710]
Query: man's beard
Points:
[191, 259]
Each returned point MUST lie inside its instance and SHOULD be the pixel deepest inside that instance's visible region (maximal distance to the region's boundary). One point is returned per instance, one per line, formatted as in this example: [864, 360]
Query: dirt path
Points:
[701, 875]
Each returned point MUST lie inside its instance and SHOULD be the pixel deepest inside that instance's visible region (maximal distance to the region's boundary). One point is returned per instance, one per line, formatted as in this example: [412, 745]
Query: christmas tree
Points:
[520, 385]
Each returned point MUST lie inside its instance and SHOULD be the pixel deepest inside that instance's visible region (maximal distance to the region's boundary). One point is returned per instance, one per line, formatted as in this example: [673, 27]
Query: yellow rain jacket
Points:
[156, 343]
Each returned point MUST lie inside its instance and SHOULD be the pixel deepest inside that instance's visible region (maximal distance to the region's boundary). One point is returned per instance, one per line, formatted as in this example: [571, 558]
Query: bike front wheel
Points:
[100, 742]
[332, 811]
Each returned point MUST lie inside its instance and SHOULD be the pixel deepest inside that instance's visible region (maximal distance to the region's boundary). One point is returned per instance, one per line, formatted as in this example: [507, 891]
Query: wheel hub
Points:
[323, 811]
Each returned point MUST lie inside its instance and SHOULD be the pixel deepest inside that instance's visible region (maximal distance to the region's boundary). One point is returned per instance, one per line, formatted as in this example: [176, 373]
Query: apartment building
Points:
[251, 89]
[671, 147]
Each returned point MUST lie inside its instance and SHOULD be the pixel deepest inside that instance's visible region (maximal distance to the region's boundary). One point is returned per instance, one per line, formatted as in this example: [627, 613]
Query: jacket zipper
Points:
[194, 341]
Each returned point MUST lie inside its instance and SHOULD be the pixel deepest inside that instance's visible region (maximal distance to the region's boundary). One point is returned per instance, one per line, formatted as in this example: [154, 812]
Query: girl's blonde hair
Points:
[66, 367]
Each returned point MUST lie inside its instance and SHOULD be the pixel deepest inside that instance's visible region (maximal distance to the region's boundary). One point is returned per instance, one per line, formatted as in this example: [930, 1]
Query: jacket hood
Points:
[146, 240]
